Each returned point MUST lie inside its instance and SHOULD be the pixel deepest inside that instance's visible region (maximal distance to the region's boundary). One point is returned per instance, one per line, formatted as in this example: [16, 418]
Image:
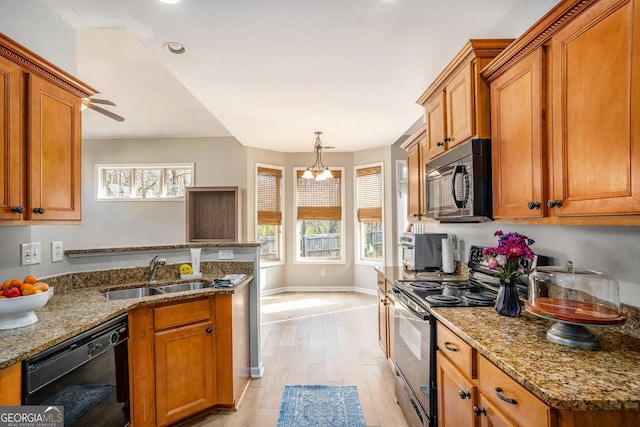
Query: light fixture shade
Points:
[318, 171]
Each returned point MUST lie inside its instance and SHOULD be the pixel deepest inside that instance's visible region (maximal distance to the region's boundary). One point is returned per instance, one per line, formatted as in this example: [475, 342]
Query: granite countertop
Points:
[127, 249]
[76, 310]
[400, 273]
[565, 378]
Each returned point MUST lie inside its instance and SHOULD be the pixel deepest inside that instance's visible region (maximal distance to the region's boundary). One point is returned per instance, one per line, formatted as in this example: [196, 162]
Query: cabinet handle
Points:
[416, 215]
[446, 345]
[447, 139]
[533, 205]
[439, 144]
[17, 209]
[209, 330]
[506, 399]
[38, 210]
[464, 394]
[479, 411]
[554, 203]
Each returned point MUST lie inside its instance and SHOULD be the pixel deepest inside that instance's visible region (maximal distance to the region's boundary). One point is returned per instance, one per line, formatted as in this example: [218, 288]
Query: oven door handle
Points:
[400, 296]
[460, 170]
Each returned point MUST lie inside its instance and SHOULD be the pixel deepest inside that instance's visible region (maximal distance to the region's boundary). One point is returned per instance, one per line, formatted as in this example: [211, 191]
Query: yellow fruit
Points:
[38, 291]
[41, 286]
[185, 269]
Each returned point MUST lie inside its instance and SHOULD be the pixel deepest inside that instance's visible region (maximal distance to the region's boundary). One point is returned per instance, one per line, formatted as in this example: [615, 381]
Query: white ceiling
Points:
[271, 72]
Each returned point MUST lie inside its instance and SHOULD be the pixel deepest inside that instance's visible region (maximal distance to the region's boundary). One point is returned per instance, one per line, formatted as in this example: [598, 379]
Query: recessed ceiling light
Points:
[174, 47]
[170, 1]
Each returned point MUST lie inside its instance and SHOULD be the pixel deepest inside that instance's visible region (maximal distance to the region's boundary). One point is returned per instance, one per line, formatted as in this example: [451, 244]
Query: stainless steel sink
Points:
[144, 291]
[180, 287]
[131, 293]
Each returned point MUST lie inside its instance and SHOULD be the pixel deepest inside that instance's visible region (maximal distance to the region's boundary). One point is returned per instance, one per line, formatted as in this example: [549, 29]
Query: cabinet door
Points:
[382, 323]
[184, 372]
[414, 180]
[455, 396]
[490, 416]
[517, 145]
[460, 117]
[54, 153]
[436, 122]
[596, 111]
[11, 148]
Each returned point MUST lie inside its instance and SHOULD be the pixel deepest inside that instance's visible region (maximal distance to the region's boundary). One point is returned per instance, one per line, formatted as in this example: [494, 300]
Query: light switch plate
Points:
[30, 253]
[225, 254]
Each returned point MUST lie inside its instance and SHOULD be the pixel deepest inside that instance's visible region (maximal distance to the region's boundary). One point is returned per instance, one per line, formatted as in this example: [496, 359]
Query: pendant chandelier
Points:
[318, 171]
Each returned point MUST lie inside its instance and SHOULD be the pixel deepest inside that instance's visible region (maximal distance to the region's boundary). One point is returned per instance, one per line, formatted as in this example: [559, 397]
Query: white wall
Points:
[32, 24]
[218, 162]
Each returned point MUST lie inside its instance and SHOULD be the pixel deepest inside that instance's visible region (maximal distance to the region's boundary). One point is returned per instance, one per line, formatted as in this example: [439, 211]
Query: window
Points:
[369, 201]
[143, 182]
[319, 218]
[269, 212]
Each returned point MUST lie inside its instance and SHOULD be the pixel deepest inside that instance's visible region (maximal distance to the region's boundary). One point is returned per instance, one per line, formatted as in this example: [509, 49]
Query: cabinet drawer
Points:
[499, 387]
[180, 314]
[455, 349]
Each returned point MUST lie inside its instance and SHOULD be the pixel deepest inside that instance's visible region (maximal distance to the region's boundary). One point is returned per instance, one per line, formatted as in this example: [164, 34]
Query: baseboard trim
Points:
[318, 289]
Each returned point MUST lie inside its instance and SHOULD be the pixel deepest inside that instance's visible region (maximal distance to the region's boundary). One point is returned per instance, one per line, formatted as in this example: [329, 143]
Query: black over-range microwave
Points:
[458, 183]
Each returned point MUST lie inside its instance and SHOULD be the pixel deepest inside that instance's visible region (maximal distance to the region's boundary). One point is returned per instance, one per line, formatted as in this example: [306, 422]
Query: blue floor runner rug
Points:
[320, 406]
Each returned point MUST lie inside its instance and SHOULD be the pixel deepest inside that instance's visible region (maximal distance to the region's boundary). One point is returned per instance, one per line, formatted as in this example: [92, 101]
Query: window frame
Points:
[281, 239]
[358, 259]
[141, 166]
[311, 261]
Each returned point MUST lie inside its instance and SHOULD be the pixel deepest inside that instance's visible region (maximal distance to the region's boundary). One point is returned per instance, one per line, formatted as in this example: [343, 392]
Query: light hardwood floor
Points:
[326, 338]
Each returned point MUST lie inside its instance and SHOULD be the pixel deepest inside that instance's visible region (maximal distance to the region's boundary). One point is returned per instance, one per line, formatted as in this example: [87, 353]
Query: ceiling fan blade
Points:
[105, 112]
[99, 101]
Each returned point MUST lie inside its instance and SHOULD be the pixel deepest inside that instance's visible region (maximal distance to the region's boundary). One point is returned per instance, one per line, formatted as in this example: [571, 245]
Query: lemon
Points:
[185, 269]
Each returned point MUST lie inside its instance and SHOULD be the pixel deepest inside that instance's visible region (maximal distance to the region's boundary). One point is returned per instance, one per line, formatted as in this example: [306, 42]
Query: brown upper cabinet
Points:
[565, 122]
[415, 146]
[41, 141]
[457, 103]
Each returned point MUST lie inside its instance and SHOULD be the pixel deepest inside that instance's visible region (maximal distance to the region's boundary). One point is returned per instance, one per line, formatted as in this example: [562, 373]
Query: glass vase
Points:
[507, 303]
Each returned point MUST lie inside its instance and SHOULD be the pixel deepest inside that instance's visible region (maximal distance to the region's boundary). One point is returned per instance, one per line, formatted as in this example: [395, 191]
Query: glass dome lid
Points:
[574, 296]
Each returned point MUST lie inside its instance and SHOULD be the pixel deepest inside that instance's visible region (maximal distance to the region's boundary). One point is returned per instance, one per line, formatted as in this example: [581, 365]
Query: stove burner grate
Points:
[443, 299]
[484, 297]
[457, 285]
[428, 286]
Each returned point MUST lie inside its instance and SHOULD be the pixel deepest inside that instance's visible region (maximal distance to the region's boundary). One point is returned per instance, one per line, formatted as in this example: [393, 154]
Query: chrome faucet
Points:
[153, 267]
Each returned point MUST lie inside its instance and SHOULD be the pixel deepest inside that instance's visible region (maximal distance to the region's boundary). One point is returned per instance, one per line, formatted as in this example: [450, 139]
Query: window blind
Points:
[269, 197]
[319, 200]
[369, 188]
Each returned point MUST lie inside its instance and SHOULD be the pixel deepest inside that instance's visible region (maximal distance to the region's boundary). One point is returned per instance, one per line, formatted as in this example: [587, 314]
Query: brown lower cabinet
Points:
[473, 392]
[188, 357]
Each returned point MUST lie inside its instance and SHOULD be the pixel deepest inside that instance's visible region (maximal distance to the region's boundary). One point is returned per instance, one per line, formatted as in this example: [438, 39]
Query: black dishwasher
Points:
[87, 375]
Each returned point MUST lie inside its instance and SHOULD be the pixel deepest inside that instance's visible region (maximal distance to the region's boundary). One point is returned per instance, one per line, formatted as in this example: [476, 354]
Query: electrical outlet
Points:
[57, 253]
[323, 271]
[225, 254]
[30, 253]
